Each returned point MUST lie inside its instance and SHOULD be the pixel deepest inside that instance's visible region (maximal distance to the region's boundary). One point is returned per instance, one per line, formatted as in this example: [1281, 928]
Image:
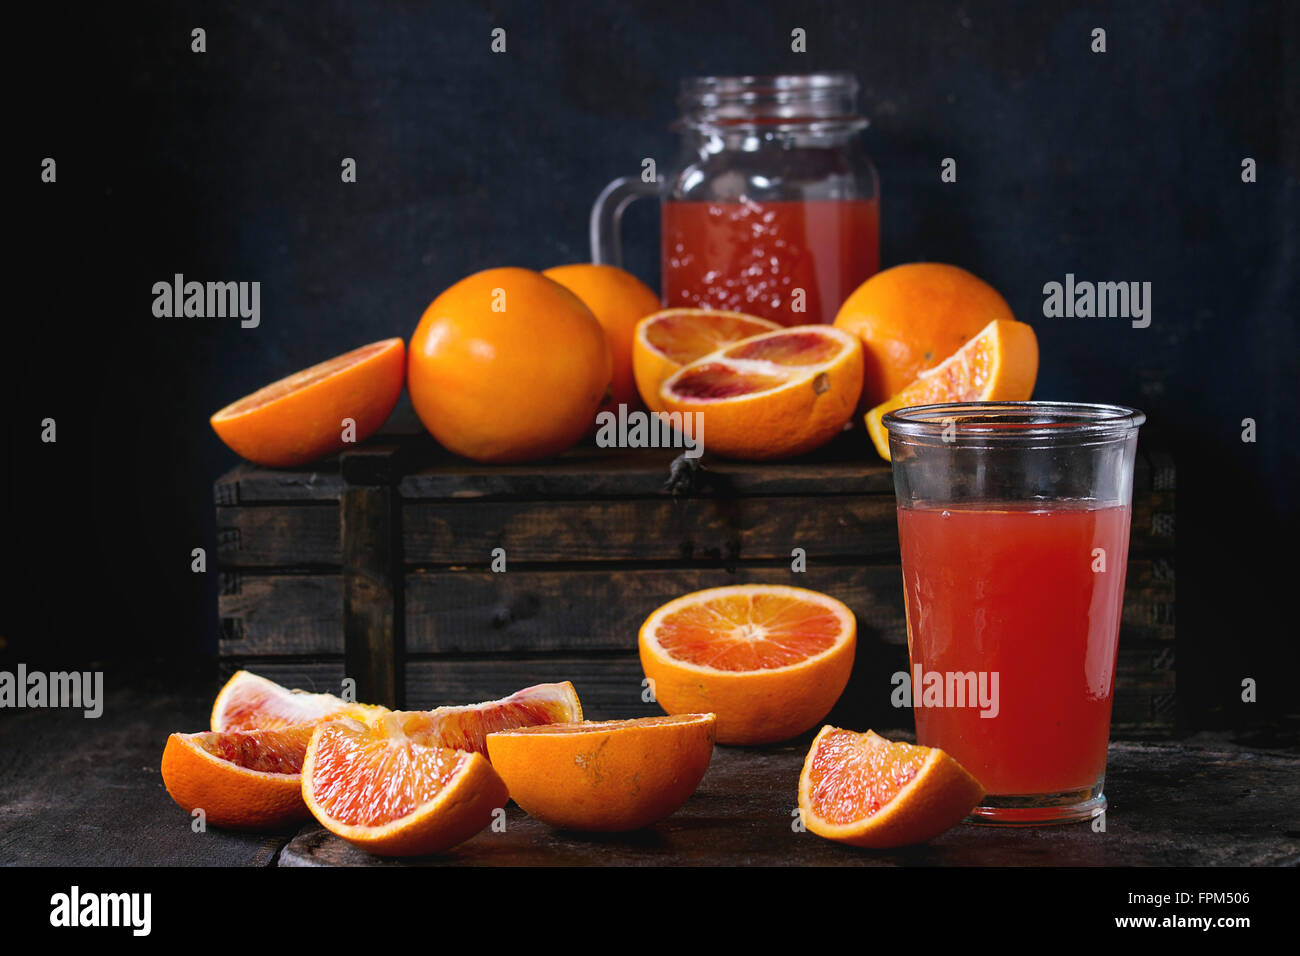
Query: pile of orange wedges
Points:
[744, 665]
[406, 783]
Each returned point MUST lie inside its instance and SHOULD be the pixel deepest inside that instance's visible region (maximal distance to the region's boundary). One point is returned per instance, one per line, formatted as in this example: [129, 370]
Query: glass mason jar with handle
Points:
[772, 207]
[1013, 520]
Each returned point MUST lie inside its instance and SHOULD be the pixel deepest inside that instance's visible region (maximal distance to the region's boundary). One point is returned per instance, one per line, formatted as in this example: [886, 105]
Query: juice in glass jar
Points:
[1033, 591]
[757, 257]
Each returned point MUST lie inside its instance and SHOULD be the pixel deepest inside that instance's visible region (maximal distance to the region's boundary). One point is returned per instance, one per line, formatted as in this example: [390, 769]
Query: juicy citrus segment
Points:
[770, 661]
[773, 395]
[301, 418]
[364, 779]
[713, 380]
[683, 335]
[1000, 364]
[250, 702]
[608, 775]
[266, 751]
[667, 340]
[749, 630]
[619, 300]
[851, 779]
[467, 727]
[247, 779]
[872, 792]
[394, 796]
[913, 316]
[789, 348]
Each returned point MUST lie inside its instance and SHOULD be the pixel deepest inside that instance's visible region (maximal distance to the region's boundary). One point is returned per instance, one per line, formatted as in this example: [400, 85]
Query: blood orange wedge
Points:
[604, 775]
[667, 340]
[467, 727]
[773, 395]
[377, 788]
[1000, 364]
[769, 661]
[869, 791]
[305, 416]
[250, 702]
[247, 778]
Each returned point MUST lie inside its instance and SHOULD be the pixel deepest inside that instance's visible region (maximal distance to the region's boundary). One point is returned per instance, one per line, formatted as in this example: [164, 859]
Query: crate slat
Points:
[472, 612]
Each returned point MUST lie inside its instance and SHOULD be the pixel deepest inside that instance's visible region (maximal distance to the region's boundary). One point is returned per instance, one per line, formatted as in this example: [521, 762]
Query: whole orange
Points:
[508, 366]
[912, 317]
[619, 300]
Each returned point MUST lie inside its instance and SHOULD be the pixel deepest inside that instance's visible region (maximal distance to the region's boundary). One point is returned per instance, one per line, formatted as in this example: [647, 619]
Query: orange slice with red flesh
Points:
[1000, 364]
[667, 340]
[251, 702]
[247, 779]
[770, 661]
[391, 795]
[773, 395]
[467, 727]
[868, 791]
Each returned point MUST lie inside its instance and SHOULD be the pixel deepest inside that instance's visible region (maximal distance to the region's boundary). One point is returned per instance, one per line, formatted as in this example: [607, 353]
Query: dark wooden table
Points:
[80, 792]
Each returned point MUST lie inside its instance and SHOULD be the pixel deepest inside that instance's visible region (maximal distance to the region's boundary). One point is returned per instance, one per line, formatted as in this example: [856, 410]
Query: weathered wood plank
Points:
[528, 611]
[539, 610]
[845, 467]
[1169, 805]
[280, 614]
[284, 536]
[645, 529]
[248, 484]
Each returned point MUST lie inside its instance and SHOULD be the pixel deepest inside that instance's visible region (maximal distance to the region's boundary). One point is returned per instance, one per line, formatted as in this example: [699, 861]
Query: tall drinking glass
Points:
[1013, 519]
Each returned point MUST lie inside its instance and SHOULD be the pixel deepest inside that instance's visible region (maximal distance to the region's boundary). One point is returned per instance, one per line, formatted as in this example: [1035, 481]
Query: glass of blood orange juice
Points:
[1013, 521]
[772, 205]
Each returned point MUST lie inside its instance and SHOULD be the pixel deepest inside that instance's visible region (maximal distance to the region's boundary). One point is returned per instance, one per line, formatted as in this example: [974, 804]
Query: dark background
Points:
[225, 166]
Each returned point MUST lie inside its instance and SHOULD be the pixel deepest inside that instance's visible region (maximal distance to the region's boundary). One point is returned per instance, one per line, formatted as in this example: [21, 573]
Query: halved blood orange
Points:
[667, 340]
[770, 661]
[301, 418]
[248, 778]
[377, 788]
[772, 395]
[869, 791]
[250, 702]
[1000, 364]
[604, 775]
[467, 727]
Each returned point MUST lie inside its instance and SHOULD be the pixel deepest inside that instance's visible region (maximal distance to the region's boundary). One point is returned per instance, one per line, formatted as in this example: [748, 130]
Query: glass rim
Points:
[774, 102]
[978, 423]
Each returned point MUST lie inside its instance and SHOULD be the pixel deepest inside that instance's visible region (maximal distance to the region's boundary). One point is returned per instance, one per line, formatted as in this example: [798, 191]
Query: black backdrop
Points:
[225, 165]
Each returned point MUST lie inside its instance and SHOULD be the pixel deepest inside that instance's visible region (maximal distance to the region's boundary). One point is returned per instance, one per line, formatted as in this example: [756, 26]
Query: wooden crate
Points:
[378, 566]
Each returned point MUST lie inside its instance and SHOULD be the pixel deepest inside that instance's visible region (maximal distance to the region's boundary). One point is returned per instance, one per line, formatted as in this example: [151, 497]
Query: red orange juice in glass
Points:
[1013, 520]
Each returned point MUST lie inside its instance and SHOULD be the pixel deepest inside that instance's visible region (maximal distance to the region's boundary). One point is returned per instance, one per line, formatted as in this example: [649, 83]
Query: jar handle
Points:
[607, 215]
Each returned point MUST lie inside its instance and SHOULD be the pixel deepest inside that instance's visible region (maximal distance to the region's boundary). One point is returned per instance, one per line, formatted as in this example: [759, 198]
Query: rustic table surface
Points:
[80, 792]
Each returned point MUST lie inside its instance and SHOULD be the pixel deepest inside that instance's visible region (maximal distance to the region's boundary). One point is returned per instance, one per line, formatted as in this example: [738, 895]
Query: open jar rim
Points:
[980, 424]
[808, 101]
